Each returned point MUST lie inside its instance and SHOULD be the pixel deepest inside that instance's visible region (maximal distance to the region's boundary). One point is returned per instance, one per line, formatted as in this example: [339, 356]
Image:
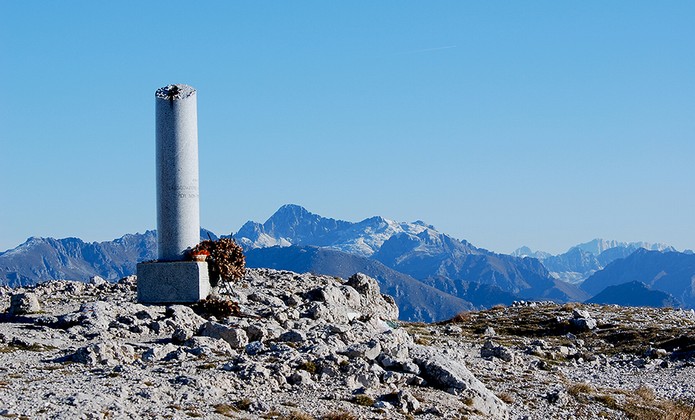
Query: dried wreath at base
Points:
[217, 307]
[226, 262]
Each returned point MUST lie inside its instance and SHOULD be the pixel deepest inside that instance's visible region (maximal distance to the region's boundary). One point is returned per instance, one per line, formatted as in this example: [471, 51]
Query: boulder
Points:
[208, 346]
[97, 281]
[104, 354]
[24, 303]
[158, 352]
[455, 378]
[372, 302]
[236, 337]
[293, 336]
[406, 402]
[369, 350]
[490, 350]
[97, 316]
[180, 317]
[582, 320]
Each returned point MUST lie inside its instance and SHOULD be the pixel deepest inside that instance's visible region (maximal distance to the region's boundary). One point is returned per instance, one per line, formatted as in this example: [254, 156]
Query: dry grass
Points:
[646, 393]
[506, 397]
[460, 318]
[468, 400]
[608, 401]
[420, 340]
[206, 366]
[226, 410]
[243, 404]
[620, 329]
[298, 415]
[582, 388]
[364, 400]
[35, 347]
[339, 415]
[654, 409]
[309, 367]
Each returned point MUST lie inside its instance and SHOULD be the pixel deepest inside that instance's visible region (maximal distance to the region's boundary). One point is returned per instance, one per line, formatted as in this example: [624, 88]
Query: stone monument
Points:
[172, 279]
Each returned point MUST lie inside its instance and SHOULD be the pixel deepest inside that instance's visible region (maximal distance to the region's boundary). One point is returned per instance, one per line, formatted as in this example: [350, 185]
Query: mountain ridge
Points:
[398, 252]
[581, 261]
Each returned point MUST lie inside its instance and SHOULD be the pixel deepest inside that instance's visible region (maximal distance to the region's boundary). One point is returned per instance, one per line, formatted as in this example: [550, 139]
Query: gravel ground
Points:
[92, 352]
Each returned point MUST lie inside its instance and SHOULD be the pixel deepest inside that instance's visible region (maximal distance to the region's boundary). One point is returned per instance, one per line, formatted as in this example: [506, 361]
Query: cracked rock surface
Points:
[299, 345]
[303, 346]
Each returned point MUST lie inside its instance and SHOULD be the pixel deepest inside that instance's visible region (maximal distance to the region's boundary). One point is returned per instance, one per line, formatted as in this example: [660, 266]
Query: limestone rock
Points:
[369, 350]
[372, 302]
[105, 354]
[97, 281]
[24, 303]
[293, 336]
[236, 337]
[582, 320]
[455, 378]
[158, 352]
[209, 346]
[184, 321]
[406, 402]
[490, 350]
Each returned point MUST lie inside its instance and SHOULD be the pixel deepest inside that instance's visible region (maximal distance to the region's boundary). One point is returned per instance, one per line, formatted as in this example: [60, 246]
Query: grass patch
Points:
[243, 404]
[339, 415]
[309, 367]
[608, 401]
[581, 392]
[298, 415]
[506, 397]
[35, 347]
[422, 341]
[580, 389]
[226, 410]
[646, 393]
[364, 400]
[206, 366]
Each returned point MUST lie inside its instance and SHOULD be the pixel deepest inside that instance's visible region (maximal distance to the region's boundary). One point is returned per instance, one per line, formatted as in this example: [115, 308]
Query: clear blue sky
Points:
[540, 123]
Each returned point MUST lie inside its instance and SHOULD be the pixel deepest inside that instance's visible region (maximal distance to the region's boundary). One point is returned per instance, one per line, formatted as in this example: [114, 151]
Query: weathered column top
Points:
[174, 92]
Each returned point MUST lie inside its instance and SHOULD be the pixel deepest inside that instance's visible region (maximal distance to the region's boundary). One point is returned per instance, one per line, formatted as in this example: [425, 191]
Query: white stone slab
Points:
[172, 282]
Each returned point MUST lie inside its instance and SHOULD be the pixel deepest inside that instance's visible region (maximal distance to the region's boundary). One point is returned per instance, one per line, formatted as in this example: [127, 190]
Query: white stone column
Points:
[170, 279]
[178, 204]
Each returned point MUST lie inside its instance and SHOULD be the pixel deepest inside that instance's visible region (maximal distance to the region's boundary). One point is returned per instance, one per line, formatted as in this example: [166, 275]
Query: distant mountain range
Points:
[416, 300]
[294, 225]
[431, 275]
[416, 249]
[41, 259]
[669, 272]
[634, 293]
[583, 260]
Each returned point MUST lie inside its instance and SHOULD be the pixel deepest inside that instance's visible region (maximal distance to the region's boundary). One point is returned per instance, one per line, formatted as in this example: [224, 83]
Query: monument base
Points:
[172, 282]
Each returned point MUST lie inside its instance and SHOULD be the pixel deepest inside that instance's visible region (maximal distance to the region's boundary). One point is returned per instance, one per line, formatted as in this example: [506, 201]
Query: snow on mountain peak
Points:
[294, 225]
[597, 246]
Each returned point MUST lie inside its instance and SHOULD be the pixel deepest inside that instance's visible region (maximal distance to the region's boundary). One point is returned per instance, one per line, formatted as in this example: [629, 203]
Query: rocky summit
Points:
[303, 346]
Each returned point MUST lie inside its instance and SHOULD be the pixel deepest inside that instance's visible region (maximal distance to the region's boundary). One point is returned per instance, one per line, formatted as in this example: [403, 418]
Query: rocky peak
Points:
[294, 225]
[336, 343]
